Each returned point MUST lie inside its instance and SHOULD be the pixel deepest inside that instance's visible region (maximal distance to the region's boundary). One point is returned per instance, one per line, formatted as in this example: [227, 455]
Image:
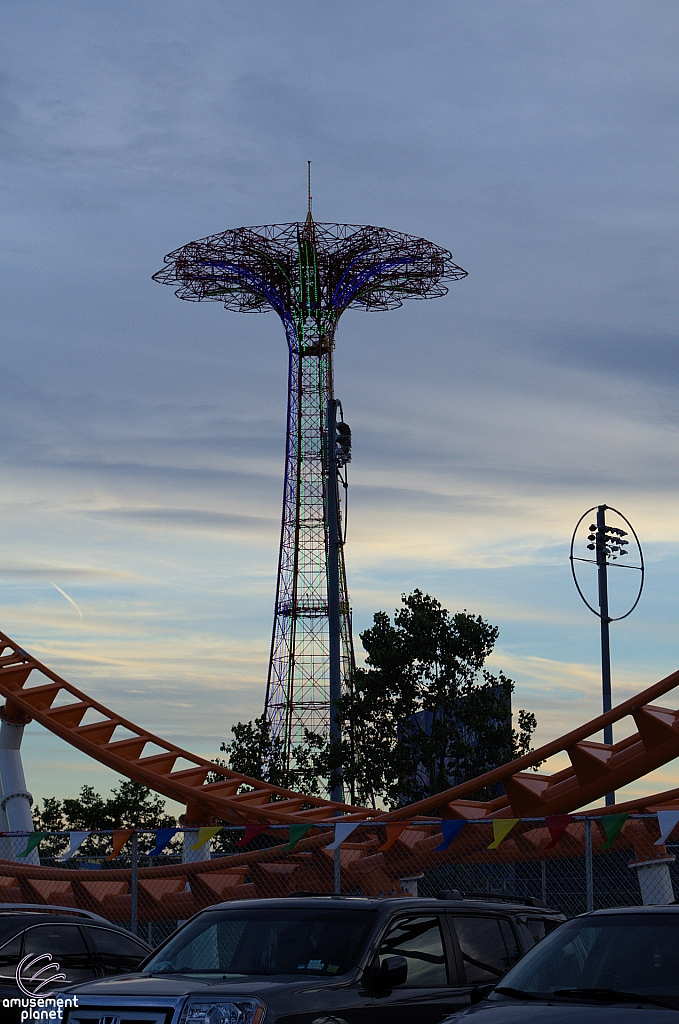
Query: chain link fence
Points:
[158, 878]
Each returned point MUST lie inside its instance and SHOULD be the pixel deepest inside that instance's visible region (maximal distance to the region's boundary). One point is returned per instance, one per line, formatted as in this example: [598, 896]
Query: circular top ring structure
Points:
[254, 268]
[601, 546]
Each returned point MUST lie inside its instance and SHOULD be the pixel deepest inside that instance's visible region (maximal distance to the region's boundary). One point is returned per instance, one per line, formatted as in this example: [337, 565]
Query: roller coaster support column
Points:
[192, 821]
[15, 801]
[190, 856]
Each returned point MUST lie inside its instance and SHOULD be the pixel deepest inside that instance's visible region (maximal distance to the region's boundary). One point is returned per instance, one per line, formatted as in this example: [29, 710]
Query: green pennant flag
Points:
[295, 833]
[611, 824]
[33, 841]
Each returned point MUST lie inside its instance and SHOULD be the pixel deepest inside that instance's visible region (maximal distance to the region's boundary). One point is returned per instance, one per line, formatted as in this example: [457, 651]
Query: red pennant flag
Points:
[557, 825]
[250, 832]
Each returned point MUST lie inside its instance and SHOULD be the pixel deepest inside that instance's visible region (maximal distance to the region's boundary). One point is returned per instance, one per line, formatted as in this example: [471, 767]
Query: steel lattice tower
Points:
[309, 273]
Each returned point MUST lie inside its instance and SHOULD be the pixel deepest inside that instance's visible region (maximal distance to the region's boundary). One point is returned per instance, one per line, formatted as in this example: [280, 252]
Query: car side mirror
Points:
[480, 992]
[393, 971]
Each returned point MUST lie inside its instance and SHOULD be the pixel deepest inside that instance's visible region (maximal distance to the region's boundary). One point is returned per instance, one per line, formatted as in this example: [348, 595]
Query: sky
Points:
[142, 438]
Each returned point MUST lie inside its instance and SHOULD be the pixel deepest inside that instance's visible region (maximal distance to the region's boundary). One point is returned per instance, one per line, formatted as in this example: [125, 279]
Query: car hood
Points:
[517, 1011]
[174, 985]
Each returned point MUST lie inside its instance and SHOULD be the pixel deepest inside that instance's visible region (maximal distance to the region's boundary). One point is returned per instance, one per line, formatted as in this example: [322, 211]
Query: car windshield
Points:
[626, 953]
[281, 941]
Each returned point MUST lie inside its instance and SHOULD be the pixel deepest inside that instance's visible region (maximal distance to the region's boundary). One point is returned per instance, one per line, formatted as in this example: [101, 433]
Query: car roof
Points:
[385, 904]
[654, 908]
[14, 919]
[47, 908]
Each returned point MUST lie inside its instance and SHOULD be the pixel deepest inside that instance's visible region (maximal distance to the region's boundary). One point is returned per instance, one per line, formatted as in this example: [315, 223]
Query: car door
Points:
[117, 953]
[10, 955]
[487, 948]
[431, 989]
[68, 950]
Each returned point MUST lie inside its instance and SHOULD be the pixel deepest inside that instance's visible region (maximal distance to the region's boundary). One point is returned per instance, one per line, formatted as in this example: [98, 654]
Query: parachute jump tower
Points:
[308, 273]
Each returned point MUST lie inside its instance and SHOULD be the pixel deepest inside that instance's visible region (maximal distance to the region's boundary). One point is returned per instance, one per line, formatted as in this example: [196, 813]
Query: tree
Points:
[255, 752]
[130, 806]
[424, 715]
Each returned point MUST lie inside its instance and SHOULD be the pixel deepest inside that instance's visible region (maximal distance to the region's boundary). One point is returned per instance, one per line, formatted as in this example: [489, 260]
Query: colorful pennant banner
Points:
[204, 836]
[557, 825]
[501, 829]
[120, 837]
[611, 824]
[163, 837]
[250, 833]
[393, 832]
[76, 839]
[667, 821]
[33, 841]
[295, 833]
[342, 832]
[450, 830]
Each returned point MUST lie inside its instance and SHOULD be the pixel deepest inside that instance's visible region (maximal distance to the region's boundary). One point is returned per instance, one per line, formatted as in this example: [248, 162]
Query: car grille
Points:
[113, 1015]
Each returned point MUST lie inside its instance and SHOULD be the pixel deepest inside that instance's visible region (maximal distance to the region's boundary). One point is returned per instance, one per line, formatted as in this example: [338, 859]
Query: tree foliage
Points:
[253, 751]
[131, 805]
[423, 715]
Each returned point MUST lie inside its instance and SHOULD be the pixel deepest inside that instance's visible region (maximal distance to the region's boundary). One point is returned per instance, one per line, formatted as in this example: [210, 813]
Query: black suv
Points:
[616, 966]
[303, 960]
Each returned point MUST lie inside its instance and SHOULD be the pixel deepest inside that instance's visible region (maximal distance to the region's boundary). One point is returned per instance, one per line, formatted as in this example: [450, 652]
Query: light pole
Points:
[608, 544]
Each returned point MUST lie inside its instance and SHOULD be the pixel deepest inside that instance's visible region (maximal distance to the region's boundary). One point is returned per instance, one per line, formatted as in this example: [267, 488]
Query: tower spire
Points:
[308, 175]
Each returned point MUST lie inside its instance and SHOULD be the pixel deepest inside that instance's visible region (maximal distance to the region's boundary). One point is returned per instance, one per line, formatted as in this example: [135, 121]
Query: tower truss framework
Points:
[308, 273]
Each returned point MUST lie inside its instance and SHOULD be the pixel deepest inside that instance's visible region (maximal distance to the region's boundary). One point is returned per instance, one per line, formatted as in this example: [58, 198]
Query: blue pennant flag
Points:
[163, 837]
[450, 830]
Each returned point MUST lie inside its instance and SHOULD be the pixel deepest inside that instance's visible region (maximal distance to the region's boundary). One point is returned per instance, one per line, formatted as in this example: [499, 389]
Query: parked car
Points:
[84, 945]
[312, 960]
[617, 966]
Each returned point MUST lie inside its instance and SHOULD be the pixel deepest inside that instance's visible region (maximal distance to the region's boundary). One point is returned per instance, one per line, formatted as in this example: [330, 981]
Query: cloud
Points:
[192, 519]
[143, 438]
[39, 572]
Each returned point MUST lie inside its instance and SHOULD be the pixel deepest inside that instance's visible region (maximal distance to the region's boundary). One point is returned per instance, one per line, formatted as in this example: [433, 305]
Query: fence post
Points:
[133, 882]
[589, 877]
[337, 888]
[543, 879]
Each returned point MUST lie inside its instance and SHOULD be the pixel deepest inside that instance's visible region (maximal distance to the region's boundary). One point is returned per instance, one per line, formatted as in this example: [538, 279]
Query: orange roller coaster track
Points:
[595, 768]
[33, 691]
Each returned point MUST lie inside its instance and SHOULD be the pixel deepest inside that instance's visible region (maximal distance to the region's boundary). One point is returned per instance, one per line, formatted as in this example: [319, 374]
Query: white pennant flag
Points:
[666, 820]
[342, 832]
[77, 839]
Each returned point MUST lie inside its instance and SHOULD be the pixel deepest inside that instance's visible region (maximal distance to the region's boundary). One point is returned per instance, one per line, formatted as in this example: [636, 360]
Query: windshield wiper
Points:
[613, 995]
[516, 993]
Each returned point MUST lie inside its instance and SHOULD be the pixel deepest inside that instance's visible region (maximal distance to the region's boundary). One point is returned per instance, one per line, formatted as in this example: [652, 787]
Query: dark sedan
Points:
[81, 947]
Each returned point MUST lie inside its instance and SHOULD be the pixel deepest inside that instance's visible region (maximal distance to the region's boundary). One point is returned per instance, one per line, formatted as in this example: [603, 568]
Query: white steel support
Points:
[6, 844]
[655, 881]
[16, 800]
[190, 856]
[409, 884]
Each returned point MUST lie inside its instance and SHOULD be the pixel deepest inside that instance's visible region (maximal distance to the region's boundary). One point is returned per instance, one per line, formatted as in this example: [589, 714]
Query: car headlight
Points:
[223, 1011]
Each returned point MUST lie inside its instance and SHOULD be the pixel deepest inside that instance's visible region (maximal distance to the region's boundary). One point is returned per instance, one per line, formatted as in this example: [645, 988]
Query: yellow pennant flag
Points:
[204, 836]
[501, 829]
